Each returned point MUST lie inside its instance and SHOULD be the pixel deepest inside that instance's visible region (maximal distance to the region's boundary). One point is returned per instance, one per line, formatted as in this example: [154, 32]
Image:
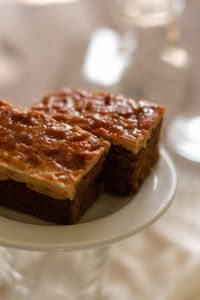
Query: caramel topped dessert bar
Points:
[47, 168]
[132, 126]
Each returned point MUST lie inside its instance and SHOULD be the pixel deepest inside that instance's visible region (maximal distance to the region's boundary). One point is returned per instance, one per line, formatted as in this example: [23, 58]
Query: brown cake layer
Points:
[19, 197]
[124, 172]
[132, 126]
[47, 161]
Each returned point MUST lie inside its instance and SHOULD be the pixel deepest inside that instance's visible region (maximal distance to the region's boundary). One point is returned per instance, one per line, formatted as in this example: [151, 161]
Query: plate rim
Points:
[100, 242]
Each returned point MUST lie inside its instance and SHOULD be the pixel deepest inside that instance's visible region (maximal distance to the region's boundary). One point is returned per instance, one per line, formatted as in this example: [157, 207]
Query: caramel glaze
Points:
[33, 142]
[112, 117]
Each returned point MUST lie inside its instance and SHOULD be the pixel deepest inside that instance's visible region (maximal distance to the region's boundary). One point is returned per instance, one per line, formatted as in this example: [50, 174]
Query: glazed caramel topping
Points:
[113, 117]
[36, 146]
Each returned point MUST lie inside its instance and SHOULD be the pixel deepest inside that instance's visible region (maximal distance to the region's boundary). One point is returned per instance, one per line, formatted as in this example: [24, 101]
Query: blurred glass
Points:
[106, 59]
[159, 67]
[166, 79]
[150, 13]
[145, 58]
[183, 135]
[162, 73]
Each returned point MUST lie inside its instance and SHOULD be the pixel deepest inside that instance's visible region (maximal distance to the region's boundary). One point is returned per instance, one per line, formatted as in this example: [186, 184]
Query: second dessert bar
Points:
[132, 126]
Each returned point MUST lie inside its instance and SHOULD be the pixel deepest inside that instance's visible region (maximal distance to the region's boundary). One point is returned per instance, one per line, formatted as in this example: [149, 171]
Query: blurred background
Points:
[142, 49]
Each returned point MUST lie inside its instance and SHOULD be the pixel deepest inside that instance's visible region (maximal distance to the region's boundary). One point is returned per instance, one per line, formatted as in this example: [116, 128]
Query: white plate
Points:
[110, 219]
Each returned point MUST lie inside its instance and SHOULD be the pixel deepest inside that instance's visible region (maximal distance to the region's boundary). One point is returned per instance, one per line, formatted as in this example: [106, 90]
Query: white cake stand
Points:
[71, 274]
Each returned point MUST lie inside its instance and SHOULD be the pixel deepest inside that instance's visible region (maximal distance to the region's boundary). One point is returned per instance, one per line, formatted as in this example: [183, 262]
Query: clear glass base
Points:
[184, 137]
[30, 275]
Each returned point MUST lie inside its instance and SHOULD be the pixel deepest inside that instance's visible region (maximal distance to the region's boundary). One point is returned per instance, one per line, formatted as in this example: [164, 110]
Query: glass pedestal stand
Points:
[30, 275]
[68, 262]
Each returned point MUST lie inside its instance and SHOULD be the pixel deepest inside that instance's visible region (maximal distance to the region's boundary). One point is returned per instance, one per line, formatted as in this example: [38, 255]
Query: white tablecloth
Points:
[163, 261]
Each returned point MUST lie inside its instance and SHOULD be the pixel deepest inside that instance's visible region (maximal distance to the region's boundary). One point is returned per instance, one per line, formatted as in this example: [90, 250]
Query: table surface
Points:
[163, 261]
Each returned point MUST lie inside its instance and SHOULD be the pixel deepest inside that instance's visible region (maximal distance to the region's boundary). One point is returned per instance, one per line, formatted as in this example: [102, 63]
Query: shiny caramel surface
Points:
[109, 116]
[35, 144]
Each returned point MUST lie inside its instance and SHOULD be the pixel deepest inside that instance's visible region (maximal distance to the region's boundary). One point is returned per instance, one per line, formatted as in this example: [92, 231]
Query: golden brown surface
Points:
[33, 145]
[113, 117]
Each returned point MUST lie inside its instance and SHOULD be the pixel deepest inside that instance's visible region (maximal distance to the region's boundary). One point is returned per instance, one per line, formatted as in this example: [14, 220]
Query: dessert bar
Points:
[47, 168]
[133, 127]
